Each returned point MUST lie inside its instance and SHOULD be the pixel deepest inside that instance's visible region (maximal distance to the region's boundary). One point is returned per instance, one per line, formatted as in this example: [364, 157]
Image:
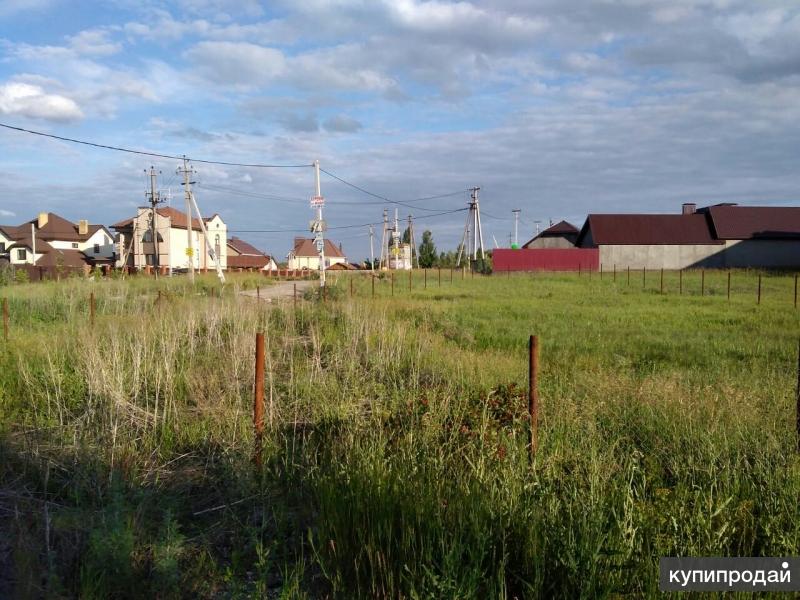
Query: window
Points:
[74, 245]
[148, 259]
[21, 254]
[217, 247]
[148, 237]
[2, 247]
[97, 248]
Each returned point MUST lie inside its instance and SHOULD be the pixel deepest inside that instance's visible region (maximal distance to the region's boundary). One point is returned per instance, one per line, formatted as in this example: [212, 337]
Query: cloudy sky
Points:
[557, 107]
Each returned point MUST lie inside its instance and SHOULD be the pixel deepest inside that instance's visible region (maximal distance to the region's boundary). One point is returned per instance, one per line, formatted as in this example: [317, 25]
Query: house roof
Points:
[244, 261]
[731, 222]
[622, 229]
[58, 228]
[562, 228]
[177, 219]
[62, 258]
[243, 247]
[305, 247]
[342, 266]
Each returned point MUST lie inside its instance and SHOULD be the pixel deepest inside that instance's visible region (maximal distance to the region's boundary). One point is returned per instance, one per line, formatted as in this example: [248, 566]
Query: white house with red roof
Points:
[242, 255]
[52, 241]
[304, 255]
[172, 249]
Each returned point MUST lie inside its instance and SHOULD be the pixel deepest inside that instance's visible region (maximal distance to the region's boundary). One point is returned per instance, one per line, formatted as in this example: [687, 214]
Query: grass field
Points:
[394, 459]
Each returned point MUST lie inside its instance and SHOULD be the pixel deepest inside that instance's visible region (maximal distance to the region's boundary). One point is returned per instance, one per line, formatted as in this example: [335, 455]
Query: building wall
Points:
[767, 254]
[552, 242]
[661, 256]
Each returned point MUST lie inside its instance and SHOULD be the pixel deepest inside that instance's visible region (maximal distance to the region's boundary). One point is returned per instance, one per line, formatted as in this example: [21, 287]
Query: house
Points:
[560, 235]
[137, 250]
[719, 236]
[52, 241]
[304, 255]
[242, 255]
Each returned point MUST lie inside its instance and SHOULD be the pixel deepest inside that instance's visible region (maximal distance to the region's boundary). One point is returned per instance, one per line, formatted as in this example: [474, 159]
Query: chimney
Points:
[83, 227]
[43, 217]
[689, 208]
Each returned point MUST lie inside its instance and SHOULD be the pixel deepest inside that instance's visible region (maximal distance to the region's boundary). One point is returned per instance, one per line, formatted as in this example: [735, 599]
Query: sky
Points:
[556, 107]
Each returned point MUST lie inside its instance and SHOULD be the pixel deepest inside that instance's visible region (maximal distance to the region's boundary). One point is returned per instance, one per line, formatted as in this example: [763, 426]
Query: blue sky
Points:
[558, 107]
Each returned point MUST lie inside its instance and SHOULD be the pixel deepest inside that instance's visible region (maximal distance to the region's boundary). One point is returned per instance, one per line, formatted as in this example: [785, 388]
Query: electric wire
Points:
[154, 154]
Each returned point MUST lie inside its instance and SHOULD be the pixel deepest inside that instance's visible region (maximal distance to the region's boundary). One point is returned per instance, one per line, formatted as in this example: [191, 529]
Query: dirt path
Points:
[280, 291]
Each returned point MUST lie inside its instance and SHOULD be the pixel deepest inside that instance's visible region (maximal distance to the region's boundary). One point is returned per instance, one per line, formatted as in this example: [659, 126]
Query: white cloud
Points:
[32, 101]
[7, 213]
[236, 63]
[10, 7]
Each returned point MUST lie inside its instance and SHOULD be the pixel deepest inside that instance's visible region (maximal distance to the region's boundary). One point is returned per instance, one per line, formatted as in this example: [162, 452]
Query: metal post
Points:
[533, 395]
[729, 287]
[629, 275]
[797, 398]
[795, 290]
[5, 318]
[644, 277]
[614, 279]
[91, 309]
[662, 281]
[680, 282]
[579, 269]
[258, 398]
[601, 271]
[258, 292]
[759, 289]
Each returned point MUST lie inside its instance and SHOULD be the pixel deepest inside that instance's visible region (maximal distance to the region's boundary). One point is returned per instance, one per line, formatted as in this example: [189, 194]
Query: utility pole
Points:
[516, 212]
[537, 226]
[396, 238]
[154, 198]
[371, 249]
[412, 241]
[384, 263]
[473, 223]
[318, 225]
[187, 190]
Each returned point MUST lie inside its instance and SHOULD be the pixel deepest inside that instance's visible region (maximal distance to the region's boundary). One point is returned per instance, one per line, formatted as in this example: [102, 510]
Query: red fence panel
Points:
[546, 259]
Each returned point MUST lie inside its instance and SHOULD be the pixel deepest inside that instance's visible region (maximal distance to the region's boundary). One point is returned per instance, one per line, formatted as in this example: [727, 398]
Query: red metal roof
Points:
[732, 222]
[242, 247]
[248, 262]
[647, 230]
[305, 247]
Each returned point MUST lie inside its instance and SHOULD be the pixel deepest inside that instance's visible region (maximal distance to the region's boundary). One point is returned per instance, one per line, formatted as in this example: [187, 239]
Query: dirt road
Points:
[280, 291]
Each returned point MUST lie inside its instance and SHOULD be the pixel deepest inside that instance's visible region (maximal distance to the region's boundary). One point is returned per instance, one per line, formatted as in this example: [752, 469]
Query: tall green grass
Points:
[394, 461]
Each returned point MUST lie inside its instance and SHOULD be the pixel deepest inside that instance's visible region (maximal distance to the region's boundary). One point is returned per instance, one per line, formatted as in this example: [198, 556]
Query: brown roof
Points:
[62, 258]
[248, 262]
[731, 222]
[648, 229]
[177, 219]
[58, 228]
[305, 247]
[560, 229]
[342, 266]
[243, 247]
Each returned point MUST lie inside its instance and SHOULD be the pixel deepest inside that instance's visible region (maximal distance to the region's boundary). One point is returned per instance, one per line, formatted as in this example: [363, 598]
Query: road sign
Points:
[190, 252]
[320, 244]
[317, 201]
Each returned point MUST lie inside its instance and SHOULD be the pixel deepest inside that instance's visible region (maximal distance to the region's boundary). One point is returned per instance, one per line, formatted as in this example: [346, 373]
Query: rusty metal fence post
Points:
[758, 301]
[258, 399]
[615, 273]
[729, 285]
[533, 395]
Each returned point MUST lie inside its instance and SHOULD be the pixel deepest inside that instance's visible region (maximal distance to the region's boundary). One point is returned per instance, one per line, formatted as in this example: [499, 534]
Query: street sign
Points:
[317, 201]
[320, 244]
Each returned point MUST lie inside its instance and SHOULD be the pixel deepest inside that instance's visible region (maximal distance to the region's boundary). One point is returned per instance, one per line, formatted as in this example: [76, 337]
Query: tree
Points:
[427, 250]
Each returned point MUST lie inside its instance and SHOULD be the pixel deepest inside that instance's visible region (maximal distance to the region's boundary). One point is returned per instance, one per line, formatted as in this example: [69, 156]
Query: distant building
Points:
[136, 248]
[242, 255]
[719, 236]
[53, 241]
[560, 235]
[304, 255]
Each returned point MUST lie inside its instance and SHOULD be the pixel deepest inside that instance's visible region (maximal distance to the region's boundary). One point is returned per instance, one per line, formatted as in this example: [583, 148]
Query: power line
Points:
[385, 199]
[354, 226]
[154, 154]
